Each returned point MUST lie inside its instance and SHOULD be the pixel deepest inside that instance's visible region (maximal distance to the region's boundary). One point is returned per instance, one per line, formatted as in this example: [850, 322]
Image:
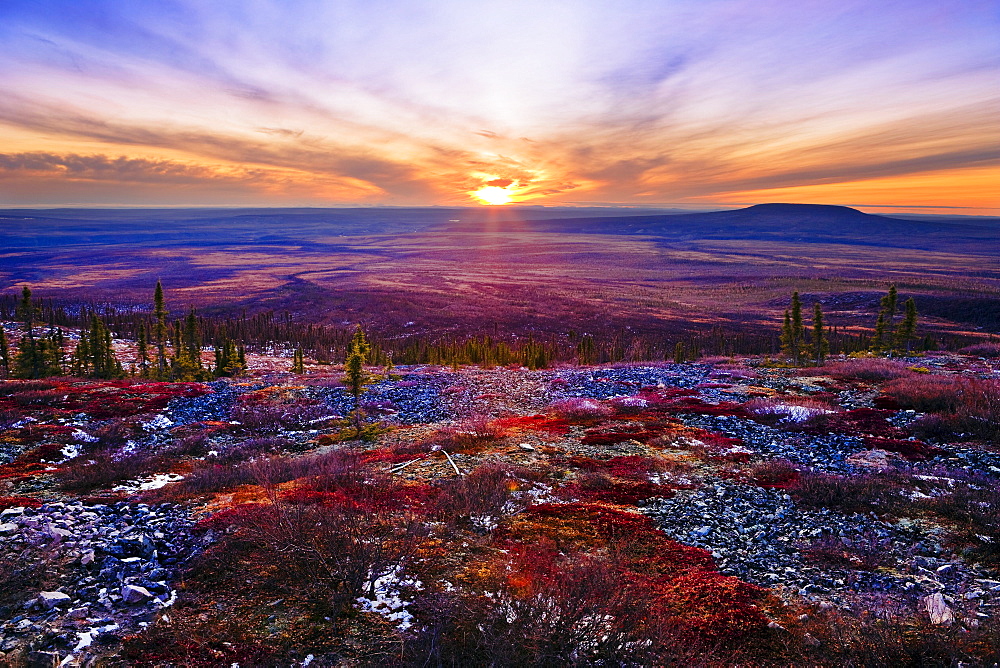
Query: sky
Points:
[887, 106]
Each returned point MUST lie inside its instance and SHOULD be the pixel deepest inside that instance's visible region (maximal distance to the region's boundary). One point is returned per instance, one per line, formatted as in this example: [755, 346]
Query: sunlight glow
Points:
[493, 195]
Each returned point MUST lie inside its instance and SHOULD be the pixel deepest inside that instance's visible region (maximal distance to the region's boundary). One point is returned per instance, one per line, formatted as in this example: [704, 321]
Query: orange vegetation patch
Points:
[667, 579]
[547, 423]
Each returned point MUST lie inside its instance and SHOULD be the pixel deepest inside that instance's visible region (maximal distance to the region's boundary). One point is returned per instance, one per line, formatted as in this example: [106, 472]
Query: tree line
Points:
[168, 348]
[802, 344]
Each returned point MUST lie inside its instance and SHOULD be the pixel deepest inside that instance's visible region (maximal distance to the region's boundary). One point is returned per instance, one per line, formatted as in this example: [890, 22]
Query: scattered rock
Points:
[135, 594]
[51, 599]
[938, 610]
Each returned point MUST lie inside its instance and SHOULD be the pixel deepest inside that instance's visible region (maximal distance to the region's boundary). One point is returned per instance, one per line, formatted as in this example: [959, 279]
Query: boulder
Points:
[135, 594]
[938, 610]
[8, 529]
[879, 460]
[50, 599]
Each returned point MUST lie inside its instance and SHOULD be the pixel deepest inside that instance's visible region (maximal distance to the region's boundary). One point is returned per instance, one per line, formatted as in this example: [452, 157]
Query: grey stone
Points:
[938, 610]
[50, 599]
[135, 594]
[78, 613]
[8, 529]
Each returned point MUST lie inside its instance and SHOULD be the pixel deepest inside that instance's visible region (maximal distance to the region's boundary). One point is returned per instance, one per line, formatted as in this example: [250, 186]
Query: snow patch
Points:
[159, 422]
[152, 482]
[387, 599]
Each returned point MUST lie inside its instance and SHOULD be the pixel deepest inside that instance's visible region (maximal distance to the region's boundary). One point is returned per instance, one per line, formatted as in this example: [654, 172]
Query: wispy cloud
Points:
[419, 102]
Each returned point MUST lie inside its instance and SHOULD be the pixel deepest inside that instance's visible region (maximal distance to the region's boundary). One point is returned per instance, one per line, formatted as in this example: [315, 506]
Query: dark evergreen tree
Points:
[885, 325]
[354, 372]
[160, 331]
[820, 344]
[4, 353]
[298, 361]
[142, 350]
[788, 336]
[187, 364]
[95, 354]
[586, 352]
[907, 327]
[798, 330]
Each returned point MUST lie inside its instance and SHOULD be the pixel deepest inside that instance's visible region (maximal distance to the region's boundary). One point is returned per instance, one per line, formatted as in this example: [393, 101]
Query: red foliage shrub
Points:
[965, 405]
[872, 370]
[619, 433]
[885, 402]
[469, 436]
[392, 455]
[865, 553]
[543, 608]
[665, 579]
[857, 422]
[578, 409]
[596, 487]
[260, 413]
[33, 398]
[123, 398]
[928, 394]
[988, 350]
[708, 604]
[546, 423]
[19, 502]
[631, 466]
[775, 474]
[244, 513]
[911, 450]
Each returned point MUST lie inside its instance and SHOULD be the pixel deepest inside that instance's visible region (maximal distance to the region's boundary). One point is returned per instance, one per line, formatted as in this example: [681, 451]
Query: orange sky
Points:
[884, 106]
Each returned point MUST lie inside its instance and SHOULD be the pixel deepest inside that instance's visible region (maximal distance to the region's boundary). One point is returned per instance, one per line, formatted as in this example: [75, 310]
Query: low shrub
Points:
[784, 409]
[480, 498]
[105, 469]
[869, 369]
[599, 487]
[262, 414]
[964, 406]
[971, 503]
[910, 450]
[865, 553]
[857, 422]
[775, 474]
[987, 350]
[851, 494]
[19, 502]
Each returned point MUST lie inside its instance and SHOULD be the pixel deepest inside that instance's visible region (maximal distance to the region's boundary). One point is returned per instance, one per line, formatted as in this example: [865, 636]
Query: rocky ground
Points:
[832, 489]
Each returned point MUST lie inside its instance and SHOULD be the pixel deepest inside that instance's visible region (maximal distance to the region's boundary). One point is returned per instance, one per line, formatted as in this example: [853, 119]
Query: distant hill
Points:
[804, 223]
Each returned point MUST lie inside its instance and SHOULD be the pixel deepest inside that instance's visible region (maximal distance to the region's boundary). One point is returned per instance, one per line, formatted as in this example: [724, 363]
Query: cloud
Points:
[419, 102]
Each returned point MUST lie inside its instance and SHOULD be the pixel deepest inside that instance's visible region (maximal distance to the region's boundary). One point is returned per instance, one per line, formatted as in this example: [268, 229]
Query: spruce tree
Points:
[298, 361]
[94, 356]
[907, 328]
[187, 364]
[788, 336]
[160, 331]
[4, 353]
[820, 344]
[142, 350]
[679, 353]
[798, 330]
[887, 314]
[878, 339]
[354, 372]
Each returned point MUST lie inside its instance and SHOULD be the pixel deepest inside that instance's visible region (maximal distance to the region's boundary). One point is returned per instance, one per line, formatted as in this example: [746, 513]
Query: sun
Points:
[493, 195]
